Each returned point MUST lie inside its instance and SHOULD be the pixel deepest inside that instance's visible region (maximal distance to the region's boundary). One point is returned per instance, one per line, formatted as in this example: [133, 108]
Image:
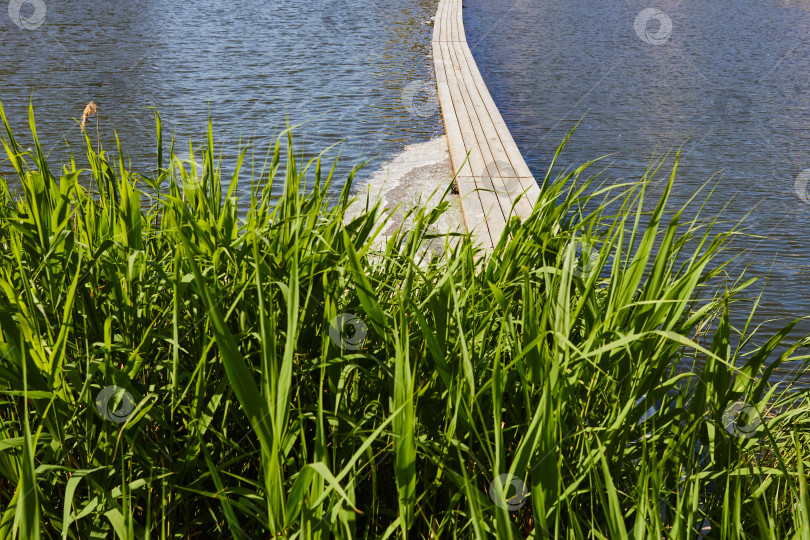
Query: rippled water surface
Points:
[729, 82]
[341, 66]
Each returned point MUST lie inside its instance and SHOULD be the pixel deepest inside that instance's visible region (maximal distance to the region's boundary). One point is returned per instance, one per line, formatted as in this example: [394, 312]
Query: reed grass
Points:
[167, 369]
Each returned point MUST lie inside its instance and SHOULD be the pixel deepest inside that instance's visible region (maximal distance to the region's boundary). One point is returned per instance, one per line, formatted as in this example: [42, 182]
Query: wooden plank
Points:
[471, 205]
[445, 32]
[498, 165]
[522, 194]
[492, 213]
[474, 217]
[493, 178]
[473, 108]
[471, 112]
[461, 35]
[449, 22]
[516, 158]
[483, 109]
[438, 22]
[455, 141]
[468, 135]
[493, 210]
[455, 22]
[441, 22]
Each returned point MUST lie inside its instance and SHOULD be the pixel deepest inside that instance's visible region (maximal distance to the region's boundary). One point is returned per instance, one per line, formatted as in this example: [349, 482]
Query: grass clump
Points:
[168, 370]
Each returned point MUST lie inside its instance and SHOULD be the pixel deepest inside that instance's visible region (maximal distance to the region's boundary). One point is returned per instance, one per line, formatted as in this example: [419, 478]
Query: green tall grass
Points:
[169, 370]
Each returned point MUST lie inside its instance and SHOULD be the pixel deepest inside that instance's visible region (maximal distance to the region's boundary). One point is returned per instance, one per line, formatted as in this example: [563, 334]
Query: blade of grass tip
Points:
[633, 275]
[40, 157]
[14, 150]
[234, 183]
[159, 134]
[544, 185]
[209, 173]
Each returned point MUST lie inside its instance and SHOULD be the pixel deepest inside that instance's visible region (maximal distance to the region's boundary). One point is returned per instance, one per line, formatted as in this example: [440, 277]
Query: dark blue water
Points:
[340, 67]
[727, 82]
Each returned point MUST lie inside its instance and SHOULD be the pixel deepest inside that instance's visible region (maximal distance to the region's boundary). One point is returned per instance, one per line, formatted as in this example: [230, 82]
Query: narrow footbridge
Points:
[495, 173]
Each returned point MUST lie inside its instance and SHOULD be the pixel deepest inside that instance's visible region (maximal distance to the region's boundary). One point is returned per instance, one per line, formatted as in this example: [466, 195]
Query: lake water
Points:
[728, 82]
[357, 72]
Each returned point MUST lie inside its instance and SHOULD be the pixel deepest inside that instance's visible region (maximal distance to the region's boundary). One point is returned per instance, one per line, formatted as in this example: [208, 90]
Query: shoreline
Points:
[419, 175]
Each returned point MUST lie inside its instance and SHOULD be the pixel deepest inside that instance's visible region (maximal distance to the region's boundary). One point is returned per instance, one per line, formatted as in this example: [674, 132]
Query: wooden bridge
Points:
[495, 173]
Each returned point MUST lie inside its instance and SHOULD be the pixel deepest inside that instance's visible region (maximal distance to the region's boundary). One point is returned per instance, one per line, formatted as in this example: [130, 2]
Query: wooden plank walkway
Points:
[495, 183]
